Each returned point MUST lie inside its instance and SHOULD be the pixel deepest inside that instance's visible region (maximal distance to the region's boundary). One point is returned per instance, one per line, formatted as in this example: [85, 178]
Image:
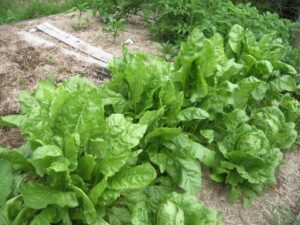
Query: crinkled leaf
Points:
[38, 197]
[192, 113]
[170, 214]
[133, 178]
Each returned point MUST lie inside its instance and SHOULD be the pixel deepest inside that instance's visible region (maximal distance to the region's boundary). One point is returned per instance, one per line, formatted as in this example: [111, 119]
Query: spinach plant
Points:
[128, 151]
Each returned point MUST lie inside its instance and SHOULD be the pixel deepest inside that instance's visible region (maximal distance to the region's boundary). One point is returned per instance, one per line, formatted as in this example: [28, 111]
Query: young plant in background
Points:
[114, 26]
[81, 21]
[167, 50]
[81, 6]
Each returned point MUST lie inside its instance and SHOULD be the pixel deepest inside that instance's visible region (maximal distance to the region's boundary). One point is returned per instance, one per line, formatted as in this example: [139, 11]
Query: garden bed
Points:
[22, 66]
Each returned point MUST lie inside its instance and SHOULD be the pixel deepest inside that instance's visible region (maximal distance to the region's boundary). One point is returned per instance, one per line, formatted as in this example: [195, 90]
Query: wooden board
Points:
[35, 40]
[76, 43]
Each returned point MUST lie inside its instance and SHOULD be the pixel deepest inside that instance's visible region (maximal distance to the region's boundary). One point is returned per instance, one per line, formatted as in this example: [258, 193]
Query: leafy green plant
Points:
[81, 22]
[81, 6]
[175, 20]
[285, 8]
[119, 9]
[218, 91]
[167, 50]
[114, 26]
[128, 151]
[82, 167]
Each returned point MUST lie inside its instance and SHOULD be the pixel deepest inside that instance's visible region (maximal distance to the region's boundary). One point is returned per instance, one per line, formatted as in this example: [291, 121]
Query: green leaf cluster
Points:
[177, 18]
[87, 161]
[128, 151]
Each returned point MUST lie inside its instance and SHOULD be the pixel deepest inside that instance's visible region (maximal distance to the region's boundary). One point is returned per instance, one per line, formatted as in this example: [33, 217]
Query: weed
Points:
[114, 26]
[81, 22]
[167, 50]
[50, 60]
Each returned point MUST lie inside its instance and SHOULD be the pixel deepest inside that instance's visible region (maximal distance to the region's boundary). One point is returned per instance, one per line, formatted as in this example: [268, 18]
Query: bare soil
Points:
[22, 66]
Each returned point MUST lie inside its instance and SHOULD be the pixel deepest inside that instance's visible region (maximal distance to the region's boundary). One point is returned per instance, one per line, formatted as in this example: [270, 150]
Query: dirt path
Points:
[22, 66]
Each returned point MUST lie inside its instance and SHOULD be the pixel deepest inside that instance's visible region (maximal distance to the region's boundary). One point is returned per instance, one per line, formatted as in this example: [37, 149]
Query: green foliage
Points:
[16, 10]
[176, 19]
[114, 26]
[6, 181]
[128, 151]
[81, 22]
[167, 50]
[119, 9]
[285, 8]
[84, 164]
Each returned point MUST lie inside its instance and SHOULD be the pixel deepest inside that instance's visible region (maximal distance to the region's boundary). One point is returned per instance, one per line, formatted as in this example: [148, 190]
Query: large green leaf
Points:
[133, 178]
[236, 36]
[121, 136]
[38, 197]
[43, 156]
[170, 214]
[6, 182]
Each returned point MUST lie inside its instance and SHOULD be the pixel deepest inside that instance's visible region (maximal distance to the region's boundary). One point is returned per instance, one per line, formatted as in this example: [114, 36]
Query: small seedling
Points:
[81, 23]
[50, 60]
[114, 26]
[81, 6]
[167, 50]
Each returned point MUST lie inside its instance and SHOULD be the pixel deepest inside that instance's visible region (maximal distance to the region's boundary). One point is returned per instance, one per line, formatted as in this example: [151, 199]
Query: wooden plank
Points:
[80, 57]
[40, 42]
[35, 40]
[76, 43]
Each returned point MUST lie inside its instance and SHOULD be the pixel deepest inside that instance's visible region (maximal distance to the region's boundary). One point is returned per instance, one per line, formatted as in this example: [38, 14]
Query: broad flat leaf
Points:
[81, 113]
[133, 178]
[235, 118]
[192, 113]
[170, 214]
[119, 216]
[17, 160]
[86, 166]
[71, 150]
[184, 147]
[38, 197]
[236, 36]
[151, 118]
[195, 212]
[6, 180]
[284, 67]
[97, 191]
[159, 159]
[128, 133]
[121, 136]
[108, 197]
[162, 132]
[208, 134]
[89, 210]
[43, 156]
[45, 217]
[284, 83]
[12, 121]
[140, 214]
[230, 70]
[112, 98]
[24, 215]
[206, 66]
[264, 67]
[189, 177]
